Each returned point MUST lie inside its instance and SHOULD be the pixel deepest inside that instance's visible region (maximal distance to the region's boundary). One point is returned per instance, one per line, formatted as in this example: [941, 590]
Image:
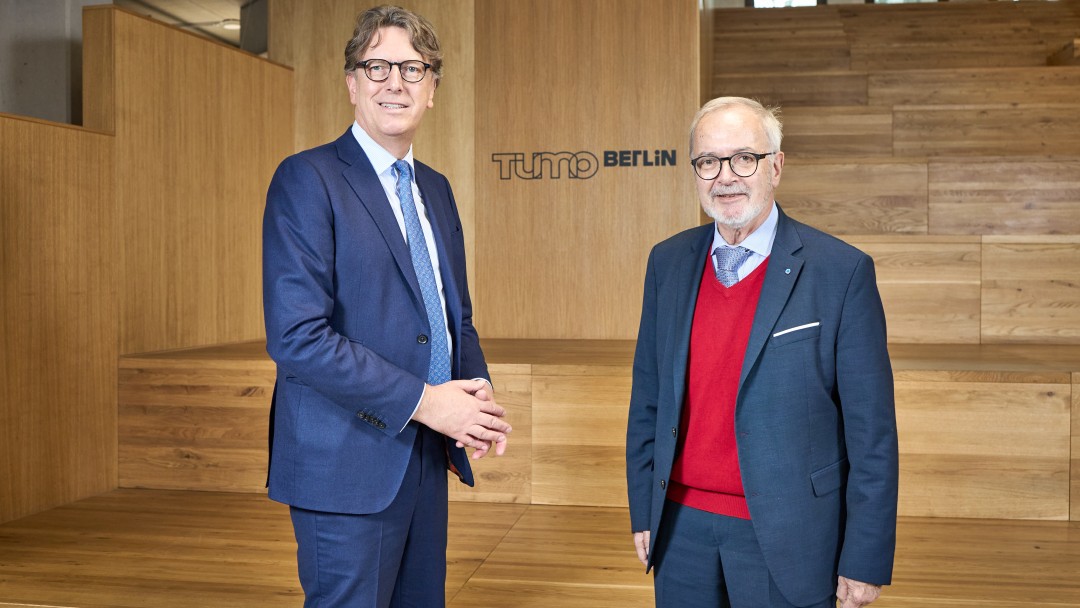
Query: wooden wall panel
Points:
[983, 444]
[200, 128]
[559, 257]
[58, 313]
[987, 130]
[579, 434]
[855, 198]
[1005, 196]
[310, 36]
[929, 286]
[506, 478]
[1029, 291]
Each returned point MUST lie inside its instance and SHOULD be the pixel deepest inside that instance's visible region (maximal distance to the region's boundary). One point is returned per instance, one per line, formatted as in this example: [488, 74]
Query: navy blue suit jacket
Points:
[346, 325]
[815, 421]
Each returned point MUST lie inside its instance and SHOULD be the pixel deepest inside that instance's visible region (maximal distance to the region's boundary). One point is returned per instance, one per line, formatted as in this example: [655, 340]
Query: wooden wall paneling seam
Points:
[1074, 495]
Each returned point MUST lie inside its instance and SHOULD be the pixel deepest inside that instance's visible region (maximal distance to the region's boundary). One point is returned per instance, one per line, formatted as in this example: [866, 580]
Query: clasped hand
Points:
[465, 410]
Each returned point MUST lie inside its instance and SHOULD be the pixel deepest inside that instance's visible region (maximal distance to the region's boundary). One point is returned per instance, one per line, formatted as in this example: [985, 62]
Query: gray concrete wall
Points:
[41, 58]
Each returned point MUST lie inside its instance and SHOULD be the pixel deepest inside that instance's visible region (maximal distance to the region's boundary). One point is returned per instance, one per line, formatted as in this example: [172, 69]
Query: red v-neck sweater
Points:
[705, 474]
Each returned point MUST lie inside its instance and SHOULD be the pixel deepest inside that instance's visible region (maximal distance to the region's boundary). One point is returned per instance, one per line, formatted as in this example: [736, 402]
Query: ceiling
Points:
[199, 16]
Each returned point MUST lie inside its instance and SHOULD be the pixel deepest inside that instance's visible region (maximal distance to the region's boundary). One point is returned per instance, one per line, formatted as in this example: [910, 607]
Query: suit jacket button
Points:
[674, 432]
[421, 339]
[663, 484]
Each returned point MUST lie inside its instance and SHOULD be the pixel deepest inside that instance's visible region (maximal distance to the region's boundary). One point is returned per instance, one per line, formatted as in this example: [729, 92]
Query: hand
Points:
[641, 543]
[486, 393]
[464, 410]
[853, 594]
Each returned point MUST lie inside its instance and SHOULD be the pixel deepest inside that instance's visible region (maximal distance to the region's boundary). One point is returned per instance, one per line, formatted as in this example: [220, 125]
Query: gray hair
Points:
[770, 118]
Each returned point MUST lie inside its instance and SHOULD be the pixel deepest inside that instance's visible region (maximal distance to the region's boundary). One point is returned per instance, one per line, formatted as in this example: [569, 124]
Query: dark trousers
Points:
[392, 559]
[704, 560]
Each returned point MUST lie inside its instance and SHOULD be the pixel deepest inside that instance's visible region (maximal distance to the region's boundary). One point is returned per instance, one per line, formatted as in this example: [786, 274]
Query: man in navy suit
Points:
[381, 382]
[761, 446]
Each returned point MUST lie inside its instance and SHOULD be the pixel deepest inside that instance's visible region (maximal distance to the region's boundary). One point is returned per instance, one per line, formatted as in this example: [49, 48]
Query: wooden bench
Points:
[984, 429]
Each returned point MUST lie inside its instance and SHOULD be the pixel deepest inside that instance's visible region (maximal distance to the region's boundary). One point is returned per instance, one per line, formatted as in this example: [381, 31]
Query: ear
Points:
[777, 168]
[431, 97]
[350, 84]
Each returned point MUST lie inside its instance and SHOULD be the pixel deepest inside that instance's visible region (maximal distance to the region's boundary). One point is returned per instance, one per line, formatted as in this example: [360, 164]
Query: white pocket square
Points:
[791, 329]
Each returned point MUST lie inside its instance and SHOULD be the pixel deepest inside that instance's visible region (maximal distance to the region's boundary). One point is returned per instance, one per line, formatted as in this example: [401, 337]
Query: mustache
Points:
[728, 191]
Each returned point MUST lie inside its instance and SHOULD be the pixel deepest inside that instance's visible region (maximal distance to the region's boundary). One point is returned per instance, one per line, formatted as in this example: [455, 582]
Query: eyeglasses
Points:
[378, 70]
[743, 164]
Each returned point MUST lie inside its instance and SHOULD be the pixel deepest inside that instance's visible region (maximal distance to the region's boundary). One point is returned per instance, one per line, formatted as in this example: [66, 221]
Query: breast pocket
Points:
[796, 333]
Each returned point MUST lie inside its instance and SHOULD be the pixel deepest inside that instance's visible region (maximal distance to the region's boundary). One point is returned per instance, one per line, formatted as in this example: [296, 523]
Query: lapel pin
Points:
[787, 271]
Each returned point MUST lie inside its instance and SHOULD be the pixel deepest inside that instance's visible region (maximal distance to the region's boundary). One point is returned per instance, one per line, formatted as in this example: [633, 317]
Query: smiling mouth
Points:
[392, 106]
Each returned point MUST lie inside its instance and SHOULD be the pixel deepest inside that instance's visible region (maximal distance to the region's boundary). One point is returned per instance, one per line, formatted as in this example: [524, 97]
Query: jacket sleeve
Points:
[641, 423]
[865, 385]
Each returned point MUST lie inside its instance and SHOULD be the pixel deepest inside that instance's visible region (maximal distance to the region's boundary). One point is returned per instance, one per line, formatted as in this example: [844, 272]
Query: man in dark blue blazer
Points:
[381, 381]
[761, 444]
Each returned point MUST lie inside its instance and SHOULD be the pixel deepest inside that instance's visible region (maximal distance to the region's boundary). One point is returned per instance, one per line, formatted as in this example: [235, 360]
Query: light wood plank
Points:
[1029, 292]
[856, 198]
[987, 130]
[793, 88]
[962, 86]
[841, 132]
[1005, 196]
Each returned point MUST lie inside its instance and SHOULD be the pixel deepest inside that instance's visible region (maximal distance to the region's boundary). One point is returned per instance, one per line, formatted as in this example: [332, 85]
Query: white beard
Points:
[740, 220]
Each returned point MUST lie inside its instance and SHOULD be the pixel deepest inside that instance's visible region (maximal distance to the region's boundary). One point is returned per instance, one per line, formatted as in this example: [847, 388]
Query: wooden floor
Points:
[151, 548]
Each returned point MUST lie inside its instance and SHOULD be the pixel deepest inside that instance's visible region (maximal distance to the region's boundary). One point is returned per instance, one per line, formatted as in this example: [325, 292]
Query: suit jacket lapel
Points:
[689, 269]
[361, 176]
[780, 277]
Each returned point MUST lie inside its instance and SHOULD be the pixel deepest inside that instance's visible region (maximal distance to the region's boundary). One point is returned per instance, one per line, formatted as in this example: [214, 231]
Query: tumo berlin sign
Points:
[575, 165]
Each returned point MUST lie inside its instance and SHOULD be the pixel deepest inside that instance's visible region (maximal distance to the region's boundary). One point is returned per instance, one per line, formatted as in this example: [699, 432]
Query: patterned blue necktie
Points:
[728, 260]
[439, 368]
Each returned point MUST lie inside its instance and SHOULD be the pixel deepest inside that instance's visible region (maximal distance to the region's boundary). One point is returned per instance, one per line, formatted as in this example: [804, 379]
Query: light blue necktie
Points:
[439, 368]
[728, 260]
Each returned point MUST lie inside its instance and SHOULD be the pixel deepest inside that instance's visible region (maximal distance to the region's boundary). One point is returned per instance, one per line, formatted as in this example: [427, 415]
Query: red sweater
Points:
[705, 474]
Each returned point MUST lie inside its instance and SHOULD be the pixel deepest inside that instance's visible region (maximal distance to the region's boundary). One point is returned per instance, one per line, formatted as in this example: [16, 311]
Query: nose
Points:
[726, 174]
[394, 80]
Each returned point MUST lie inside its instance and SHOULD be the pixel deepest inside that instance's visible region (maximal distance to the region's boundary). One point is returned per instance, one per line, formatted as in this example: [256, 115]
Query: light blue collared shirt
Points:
[759, 242]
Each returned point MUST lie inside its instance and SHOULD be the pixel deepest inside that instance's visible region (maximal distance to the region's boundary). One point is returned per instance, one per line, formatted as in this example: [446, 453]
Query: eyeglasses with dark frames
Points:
[378, 70]
[743, 164]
